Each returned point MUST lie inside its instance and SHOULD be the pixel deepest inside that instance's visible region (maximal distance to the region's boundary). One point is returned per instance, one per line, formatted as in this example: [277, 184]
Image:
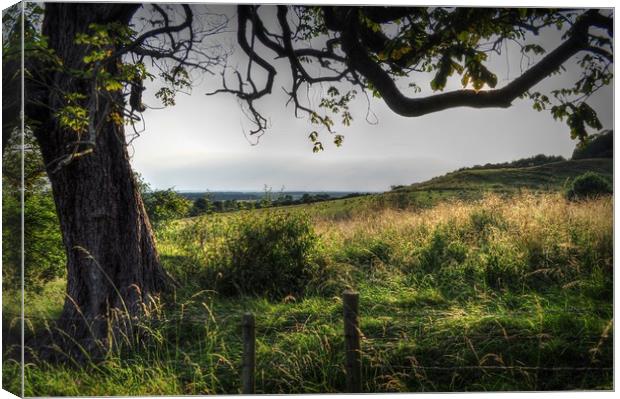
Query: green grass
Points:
[481, 293]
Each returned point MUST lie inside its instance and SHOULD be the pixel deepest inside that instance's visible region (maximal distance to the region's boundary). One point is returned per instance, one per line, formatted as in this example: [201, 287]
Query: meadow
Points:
[496, 277]
[462, 292]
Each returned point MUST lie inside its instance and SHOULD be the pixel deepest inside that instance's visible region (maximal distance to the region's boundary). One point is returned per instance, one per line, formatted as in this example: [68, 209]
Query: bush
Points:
[165, 205]
[162, 205]
[201, 206]
[44, 253]
[588, 185]
[269, 254]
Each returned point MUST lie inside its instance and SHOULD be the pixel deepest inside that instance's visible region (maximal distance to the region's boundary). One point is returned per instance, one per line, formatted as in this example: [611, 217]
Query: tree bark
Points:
[112, 262]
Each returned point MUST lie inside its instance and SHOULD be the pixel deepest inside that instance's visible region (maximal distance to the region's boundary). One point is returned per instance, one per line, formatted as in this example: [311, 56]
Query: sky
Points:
[201, 143]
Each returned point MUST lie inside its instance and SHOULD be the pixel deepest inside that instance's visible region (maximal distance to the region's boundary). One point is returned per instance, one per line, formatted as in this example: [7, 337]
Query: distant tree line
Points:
[205, 204]
[599, 145]
[223, 195]
[166, 205]
[536, 160]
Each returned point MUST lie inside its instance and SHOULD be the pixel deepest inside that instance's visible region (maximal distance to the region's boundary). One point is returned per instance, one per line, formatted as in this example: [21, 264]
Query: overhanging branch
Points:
[360, 60]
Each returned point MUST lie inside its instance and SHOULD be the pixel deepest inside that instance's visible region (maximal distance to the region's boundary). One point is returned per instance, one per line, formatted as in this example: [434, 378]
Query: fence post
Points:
[249, 354]
[350, 304]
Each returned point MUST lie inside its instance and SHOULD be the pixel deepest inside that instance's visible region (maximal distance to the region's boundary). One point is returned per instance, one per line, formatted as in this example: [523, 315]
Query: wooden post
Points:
[249, 354]
[350, 304]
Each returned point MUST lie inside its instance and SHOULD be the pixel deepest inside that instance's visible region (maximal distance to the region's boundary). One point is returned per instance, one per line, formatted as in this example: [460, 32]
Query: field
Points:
[125, 274]
[503, 287]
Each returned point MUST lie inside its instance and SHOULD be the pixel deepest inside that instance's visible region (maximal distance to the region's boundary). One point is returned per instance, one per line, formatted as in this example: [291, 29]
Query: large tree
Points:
[84, 72]
[85, 64]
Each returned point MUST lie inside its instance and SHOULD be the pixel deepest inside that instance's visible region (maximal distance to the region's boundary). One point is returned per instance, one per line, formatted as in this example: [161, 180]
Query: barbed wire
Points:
[401, 335]
[403, 318]
[233, 364]
[537, 336]
[526, 368]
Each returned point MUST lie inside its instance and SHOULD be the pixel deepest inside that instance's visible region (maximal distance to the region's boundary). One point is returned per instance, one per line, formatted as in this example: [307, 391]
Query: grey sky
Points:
[200, 144]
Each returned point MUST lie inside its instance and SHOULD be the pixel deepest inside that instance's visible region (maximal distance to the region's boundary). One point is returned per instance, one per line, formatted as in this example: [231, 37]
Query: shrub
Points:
[270, 254]
[588, 185]
[162, 205]
[165, 205]
[201, 206]
[44, 253]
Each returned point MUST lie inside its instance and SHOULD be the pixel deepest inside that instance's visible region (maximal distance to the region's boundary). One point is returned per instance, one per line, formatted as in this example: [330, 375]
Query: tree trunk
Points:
[112, 261]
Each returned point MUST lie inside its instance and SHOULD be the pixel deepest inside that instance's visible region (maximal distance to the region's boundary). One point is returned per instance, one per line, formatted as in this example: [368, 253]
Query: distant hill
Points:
[549, 176]
[599, 145]
[469, 184]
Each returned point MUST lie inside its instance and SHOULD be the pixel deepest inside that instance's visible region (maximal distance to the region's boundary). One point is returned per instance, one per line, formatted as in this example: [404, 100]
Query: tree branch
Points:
[360, 60]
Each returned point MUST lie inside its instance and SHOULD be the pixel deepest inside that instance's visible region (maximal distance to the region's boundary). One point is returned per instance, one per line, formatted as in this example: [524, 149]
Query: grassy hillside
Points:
[468, 184]
[551, 176]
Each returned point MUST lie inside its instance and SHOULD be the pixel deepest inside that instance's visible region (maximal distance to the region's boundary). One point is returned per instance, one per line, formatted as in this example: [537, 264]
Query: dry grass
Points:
[526, 214]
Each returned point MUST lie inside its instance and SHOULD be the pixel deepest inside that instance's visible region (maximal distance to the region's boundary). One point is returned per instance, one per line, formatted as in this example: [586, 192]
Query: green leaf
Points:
[317, 147]
[332, 91]
[534, 48]
[112, 85]
[589, 116]
[338, 140]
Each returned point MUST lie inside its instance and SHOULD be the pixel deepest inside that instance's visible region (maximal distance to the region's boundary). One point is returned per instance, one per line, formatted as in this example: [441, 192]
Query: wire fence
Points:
[411, 315]
[360, 342]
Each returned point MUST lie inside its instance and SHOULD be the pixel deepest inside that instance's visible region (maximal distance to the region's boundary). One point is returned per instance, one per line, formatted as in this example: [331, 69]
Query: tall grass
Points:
[492, 294]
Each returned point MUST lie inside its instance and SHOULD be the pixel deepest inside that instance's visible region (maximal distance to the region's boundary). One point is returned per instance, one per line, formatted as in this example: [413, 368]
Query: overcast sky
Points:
[200, 144]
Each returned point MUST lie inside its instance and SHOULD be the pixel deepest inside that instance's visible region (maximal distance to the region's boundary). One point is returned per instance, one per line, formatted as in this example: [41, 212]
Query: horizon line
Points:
[273, 191]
